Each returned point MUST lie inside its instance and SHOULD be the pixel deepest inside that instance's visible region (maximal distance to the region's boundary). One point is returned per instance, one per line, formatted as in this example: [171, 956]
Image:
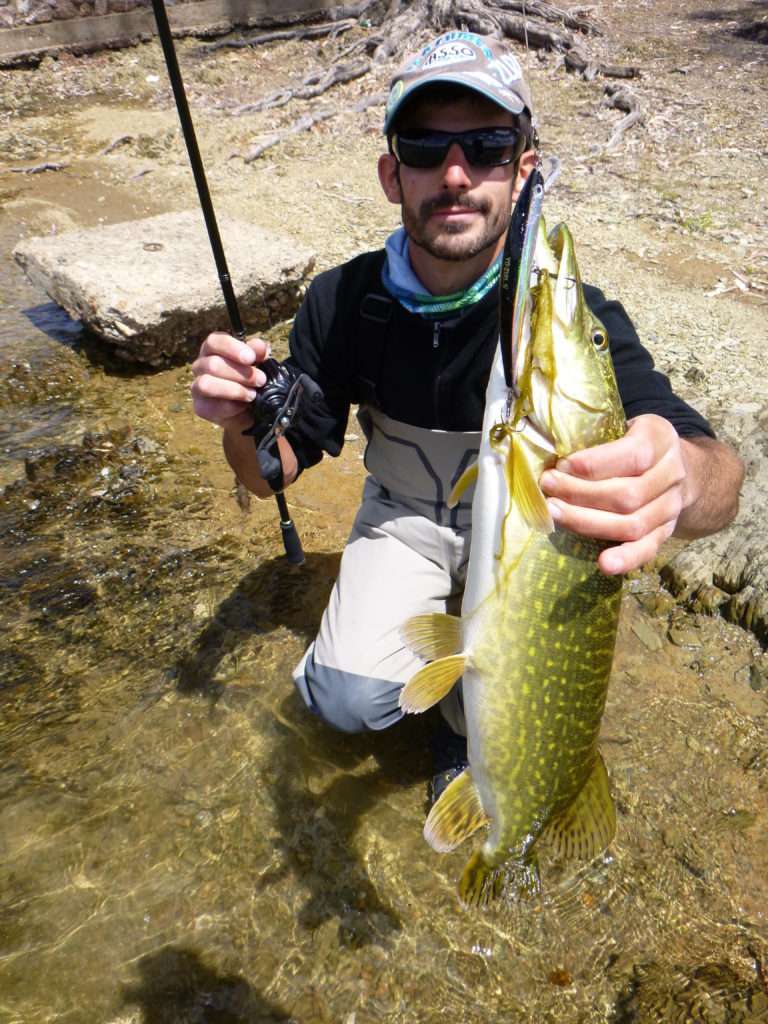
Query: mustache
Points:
[446, 201]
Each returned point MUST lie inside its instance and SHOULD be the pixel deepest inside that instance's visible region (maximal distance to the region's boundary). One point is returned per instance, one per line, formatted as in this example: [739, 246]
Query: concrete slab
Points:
[149, 288]
[30, 43]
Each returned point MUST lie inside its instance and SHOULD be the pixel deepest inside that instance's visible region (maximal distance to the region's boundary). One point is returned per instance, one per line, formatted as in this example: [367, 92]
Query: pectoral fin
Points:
[587, 826]
[456, 815]
[431, 683]
[467, 479]
[432, 636]
[524, 487]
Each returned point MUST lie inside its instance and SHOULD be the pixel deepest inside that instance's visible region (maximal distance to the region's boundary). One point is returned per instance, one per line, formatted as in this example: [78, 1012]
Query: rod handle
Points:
[291, 540]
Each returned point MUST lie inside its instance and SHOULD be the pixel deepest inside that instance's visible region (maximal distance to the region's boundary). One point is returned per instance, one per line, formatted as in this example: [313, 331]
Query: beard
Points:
[454, 241]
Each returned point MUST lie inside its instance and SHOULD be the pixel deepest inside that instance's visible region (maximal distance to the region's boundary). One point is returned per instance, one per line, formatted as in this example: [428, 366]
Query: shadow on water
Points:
[318, 821]
[320, 783]
[52, 320]
[176, 987]
[56, 324]
[275, 594]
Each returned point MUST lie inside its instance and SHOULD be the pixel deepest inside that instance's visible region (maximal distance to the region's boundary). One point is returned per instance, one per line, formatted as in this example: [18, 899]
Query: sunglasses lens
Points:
[421, 153]
[487, 147]
[490, 154]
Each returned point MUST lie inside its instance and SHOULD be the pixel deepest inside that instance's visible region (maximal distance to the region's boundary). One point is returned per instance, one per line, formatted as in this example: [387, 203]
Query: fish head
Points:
[573, 397]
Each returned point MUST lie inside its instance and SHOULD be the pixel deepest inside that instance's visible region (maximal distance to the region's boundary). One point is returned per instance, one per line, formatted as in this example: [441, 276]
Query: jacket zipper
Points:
[436, 391]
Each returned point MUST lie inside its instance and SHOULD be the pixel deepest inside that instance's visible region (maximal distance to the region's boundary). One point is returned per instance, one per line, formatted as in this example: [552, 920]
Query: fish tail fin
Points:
[483, 882]
[584, 829]
[480, 883]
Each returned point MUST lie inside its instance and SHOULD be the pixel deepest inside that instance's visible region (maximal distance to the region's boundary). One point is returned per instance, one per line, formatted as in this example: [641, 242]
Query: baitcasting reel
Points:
[278, 405]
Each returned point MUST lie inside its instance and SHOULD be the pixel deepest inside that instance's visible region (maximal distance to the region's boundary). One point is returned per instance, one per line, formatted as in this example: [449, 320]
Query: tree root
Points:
[620, 97]
[38, 168]
[121, 140]
[538, 24]
[309, 121]
[332, 29]
[315, 84]
[302, 125]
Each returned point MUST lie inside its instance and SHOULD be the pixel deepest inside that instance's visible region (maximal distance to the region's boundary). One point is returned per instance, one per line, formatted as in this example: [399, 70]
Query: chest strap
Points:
[376, 313]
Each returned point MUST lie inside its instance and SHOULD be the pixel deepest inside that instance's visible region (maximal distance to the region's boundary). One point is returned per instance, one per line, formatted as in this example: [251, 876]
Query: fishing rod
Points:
[291, 540]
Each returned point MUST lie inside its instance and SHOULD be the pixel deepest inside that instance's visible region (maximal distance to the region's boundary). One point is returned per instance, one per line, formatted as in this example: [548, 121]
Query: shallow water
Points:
[180, 841]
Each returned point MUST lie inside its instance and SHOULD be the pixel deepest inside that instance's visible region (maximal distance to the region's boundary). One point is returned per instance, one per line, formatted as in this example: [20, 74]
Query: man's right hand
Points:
[226, 375]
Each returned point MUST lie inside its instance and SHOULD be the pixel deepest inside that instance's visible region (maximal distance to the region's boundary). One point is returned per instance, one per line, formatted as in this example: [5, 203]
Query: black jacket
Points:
[362, 346]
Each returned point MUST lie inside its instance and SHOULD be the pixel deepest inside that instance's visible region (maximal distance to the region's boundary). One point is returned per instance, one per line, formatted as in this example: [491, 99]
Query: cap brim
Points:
[455, 80]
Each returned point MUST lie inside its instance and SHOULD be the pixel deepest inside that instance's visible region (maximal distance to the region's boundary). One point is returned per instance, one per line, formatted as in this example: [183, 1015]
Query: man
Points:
[409, 334]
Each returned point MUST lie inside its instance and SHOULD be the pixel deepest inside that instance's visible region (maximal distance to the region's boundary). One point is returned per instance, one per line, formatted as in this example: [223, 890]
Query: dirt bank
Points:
[179, 838]
[669, 221]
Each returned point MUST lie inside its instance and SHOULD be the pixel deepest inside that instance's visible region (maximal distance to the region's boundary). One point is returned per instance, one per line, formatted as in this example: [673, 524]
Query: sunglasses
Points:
[482, 147]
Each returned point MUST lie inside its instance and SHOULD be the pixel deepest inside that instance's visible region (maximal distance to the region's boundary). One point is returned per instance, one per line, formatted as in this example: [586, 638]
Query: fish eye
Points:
[600, 340]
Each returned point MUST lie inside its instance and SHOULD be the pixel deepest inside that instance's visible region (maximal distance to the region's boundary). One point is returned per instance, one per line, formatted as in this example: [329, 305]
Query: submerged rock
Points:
[728, 572]
[149, 288]
[107, 475]
[711, 993]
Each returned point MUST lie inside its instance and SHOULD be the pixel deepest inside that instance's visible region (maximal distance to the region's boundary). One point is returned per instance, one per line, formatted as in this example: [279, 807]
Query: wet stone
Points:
[727, 573]
[685, 636]
[21, 383]
[149, 288]
[709, 994]
[60, 601]
[758, 676]
[648, 634]
[657, 603]
[18, 669]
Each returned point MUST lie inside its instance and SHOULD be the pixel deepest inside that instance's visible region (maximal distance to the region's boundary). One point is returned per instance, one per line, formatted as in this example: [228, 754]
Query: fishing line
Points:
[527, 50]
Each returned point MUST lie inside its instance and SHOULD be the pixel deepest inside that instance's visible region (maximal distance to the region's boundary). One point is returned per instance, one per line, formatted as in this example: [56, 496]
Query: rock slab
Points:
[149, 288]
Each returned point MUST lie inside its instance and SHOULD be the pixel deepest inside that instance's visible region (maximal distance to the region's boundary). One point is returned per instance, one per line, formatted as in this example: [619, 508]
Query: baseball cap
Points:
[478, 62]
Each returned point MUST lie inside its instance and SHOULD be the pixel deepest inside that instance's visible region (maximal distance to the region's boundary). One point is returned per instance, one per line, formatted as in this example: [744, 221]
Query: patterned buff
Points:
[402, 284]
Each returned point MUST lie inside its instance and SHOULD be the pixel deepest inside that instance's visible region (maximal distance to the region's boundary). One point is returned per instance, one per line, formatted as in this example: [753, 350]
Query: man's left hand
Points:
[632, 491]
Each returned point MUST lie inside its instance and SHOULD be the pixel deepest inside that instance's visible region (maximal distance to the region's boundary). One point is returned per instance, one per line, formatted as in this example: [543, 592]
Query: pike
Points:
[535, 640]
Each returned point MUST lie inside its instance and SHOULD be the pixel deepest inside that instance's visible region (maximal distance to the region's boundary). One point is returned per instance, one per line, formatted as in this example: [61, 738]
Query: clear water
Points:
[181, 842]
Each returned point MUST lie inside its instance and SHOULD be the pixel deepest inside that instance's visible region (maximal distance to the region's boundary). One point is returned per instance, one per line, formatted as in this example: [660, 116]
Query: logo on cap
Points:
[452, 53]
[394, 95]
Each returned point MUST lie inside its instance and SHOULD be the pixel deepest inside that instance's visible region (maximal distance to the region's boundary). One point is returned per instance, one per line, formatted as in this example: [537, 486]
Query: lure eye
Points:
[600, 340]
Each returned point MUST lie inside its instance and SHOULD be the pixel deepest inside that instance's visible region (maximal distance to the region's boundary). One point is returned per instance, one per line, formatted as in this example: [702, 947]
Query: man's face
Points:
[454, 211]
